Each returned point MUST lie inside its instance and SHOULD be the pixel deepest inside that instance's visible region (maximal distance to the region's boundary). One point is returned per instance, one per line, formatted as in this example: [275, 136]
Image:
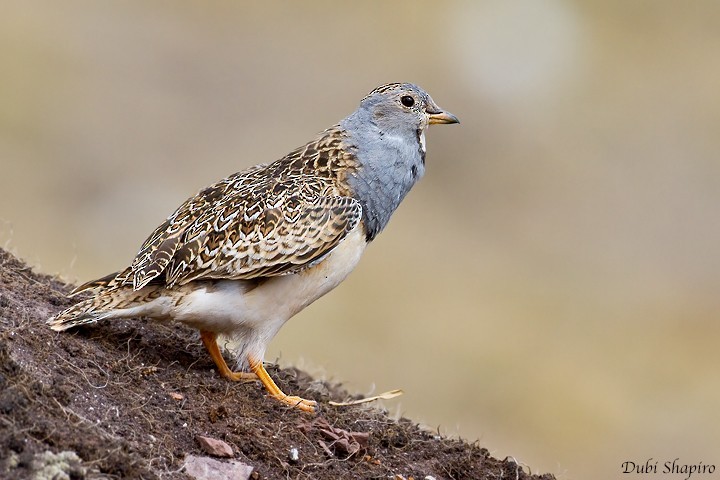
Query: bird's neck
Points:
[389, 164]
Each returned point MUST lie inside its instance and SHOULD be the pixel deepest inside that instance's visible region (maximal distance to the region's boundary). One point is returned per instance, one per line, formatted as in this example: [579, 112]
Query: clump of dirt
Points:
[127, 399]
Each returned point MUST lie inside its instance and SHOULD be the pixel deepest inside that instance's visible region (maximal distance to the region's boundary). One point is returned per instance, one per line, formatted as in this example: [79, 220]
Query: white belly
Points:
[228, 306]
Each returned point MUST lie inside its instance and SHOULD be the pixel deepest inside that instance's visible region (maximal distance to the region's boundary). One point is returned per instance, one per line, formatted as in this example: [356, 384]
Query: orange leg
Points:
[210, 341]
[259, 373]
[256, 366]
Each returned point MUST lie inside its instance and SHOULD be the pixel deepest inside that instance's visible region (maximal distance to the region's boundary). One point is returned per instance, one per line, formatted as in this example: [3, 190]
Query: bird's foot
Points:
[309, 406]
[256, 366]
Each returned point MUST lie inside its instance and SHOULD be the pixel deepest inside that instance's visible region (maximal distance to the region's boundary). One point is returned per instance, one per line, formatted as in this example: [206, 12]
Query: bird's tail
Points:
[79, 314]
[113, 297]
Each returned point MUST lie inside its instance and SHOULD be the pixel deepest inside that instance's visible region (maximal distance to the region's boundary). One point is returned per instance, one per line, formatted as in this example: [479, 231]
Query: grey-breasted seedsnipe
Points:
[244, 255]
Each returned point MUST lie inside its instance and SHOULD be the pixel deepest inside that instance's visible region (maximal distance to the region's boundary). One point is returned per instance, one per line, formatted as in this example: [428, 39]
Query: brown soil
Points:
[129, 399]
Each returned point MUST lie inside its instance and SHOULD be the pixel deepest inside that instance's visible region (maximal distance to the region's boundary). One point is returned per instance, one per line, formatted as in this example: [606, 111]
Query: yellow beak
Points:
[442, 117]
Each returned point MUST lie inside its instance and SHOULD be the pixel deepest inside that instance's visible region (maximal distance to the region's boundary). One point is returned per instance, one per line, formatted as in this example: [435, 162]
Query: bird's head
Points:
[403, 106]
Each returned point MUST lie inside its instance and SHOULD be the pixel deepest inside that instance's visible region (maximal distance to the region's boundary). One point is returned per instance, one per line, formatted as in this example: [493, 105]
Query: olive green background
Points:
[550, 288]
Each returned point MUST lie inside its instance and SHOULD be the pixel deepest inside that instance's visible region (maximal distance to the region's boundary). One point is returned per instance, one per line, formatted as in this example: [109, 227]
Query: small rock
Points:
[215, 447]
[294, 455]
[206, 468]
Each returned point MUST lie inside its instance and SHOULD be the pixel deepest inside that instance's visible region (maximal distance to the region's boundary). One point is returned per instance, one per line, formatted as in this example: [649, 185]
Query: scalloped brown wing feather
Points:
[281, 240]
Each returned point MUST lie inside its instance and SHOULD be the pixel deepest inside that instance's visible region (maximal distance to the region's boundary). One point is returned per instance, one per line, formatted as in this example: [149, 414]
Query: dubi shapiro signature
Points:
[669, 467]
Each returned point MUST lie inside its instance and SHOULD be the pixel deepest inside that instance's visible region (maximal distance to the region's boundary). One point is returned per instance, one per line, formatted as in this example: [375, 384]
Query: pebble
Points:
[214, 447]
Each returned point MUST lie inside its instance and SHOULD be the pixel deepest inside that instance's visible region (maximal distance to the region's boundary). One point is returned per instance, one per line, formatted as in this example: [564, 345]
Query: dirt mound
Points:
[130, 399]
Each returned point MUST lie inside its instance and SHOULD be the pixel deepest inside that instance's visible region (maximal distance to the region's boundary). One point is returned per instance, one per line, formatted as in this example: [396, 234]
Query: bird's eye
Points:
[408, 101]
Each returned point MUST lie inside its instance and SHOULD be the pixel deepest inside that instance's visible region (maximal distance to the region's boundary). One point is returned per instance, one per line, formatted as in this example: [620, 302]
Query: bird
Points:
[244, 255]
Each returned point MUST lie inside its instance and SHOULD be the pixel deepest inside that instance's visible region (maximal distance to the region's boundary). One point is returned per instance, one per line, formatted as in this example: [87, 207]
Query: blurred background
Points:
[550, 288]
